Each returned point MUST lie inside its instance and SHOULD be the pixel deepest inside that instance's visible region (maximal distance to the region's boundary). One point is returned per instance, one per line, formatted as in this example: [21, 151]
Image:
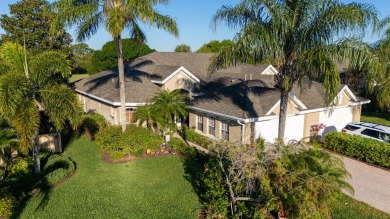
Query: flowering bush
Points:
[315, 131]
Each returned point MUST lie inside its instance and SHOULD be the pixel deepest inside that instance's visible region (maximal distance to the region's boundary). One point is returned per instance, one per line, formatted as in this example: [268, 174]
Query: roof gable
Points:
[180, 69]
[270, 70]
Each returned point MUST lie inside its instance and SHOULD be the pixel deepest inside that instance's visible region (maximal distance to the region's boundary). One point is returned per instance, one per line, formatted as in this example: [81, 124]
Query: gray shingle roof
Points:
[226, 91]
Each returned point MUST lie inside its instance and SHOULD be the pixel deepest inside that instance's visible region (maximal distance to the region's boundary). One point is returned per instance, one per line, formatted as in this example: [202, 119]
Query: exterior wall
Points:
[234, 127]
[291, 109]
[192, 120]
[356, 113]
[310, 119]
[108, 112]
[218, 127]
[175, 83]
[336, 119]
[235, 133]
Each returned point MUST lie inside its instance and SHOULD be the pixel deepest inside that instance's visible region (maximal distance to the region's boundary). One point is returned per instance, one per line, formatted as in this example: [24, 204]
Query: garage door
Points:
[337, 118]
[269, 129]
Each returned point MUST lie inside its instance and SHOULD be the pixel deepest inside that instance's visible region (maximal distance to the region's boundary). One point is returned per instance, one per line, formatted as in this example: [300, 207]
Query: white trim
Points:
[218, 114]
[349, 93]
[297, 101]
[270, 67]
[293, 98]
[109, 102]
[273, 108]
[175, 72]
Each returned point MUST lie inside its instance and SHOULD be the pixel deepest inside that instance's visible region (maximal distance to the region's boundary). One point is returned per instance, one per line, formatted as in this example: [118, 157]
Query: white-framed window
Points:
[212, 126]
[225, 131]
[199, 123]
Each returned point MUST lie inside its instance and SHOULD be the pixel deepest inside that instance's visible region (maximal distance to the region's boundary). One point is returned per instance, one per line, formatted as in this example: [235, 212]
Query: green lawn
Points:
[347, 208]
[146, 188]
[379, 118]
[77, 77]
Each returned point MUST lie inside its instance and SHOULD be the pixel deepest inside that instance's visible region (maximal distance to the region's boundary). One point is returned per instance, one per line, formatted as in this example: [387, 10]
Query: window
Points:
[212, 126]
[371, 133]
[199, 123]
[225, 131]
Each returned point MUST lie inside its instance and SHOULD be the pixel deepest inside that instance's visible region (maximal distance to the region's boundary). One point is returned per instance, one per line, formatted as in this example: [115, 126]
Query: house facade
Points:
[238, 104]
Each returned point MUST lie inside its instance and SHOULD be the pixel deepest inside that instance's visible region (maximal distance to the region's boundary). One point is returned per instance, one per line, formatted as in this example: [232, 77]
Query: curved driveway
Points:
[371, 184]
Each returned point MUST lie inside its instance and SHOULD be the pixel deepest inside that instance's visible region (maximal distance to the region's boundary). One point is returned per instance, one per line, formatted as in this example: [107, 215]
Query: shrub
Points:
[57, 168]
[7, 203]
[21, 166]
[188, 151]
[364, 149]
[134, 141]
[193, 136]
[91, 125]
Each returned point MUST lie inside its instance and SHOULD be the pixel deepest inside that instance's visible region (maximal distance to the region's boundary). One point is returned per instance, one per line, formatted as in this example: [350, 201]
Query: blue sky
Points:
[193, 18]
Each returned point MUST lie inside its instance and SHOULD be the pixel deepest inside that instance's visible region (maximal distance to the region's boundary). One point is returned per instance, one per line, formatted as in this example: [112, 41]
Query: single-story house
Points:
[240, 103]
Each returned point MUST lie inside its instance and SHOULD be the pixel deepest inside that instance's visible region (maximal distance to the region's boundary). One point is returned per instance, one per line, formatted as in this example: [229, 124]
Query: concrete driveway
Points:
[371, 184]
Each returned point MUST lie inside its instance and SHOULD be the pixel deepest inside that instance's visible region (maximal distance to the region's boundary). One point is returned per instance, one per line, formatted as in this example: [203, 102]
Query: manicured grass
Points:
[145, 188]
[374, 117]
[347, 207]
[77, 77]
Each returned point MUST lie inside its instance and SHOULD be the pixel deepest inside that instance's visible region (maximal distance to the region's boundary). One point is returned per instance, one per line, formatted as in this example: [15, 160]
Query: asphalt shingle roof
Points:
[226, 91]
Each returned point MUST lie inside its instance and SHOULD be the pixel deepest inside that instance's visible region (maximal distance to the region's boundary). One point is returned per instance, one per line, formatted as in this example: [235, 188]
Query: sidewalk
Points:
[371, 184]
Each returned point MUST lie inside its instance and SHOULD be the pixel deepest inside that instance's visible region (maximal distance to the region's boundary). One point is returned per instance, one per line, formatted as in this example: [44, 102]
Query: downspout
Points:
[242, 131]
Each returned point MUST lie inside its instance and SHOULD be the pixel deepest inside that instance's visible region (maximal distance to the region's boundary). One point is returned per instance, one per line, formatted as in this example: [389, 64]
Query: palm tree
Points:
[8, 143]
[145, 114]
[168, 105]
[298, 36]
[116, 16]
[28, 86]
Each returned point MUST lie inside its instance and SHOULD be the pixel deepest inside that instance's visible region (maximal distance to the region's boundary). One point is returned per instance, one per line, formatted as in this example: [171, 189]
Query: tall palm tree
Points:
[115, 16]
[169, 105]
[298, 36]
[28, 86]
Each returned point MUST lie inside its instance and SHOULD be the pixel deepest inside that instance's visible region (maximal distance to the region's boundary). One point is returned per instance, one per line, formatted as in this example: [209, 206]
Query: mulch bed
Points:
[166, 151]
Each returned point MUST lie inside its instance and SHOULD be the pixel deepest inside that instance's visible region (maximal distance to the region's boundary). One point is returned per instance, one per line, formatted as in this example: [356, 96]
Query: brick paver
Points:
[371, 184]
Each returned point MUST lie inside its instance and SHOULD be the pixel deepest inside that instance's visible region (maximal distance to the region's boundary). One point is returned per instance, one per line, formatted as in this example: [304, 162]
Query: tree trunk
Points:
[37, 162]
[282, 113]
[121, 72]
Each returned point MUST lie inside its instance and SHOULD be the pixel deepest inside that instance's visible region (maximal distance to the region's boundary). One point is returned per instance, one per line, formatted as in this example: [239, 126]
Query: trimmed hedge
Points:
[364, 149]
[193, 136]
[57, 168]
[134, 141]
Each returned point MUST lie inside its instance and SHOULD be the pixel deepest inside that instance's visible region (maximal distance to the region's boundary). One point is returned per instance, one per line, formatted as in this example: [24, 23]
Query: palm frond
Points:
[26, 123]
[13, 56]
[61, 104]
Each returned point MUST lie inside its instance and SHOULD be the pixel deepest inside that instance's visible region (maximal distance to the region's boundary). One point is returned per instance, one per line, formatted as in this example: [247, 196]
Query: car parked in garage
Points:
[368, 130]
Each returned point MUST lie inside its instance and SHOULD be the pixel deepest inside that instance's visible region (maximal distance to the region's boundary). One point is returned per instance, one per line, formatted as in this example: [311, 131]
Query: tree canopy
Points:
[116, 17]
[107, 57]
[82, 59]
[33, 84]
[298, 36]
[183, 48]
[29, 21]
[214, 46]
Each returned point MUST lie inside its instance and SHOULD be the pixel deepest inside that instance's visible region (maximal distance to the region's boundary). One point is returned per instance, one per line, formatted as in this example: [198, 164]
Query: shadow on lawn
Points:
[35, 185]
[194, 173]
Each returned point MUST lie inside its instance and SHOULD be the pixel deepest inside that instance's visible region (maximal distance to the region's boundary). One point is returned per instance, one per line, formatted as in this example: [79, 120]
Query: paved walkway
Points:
[371, 184]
